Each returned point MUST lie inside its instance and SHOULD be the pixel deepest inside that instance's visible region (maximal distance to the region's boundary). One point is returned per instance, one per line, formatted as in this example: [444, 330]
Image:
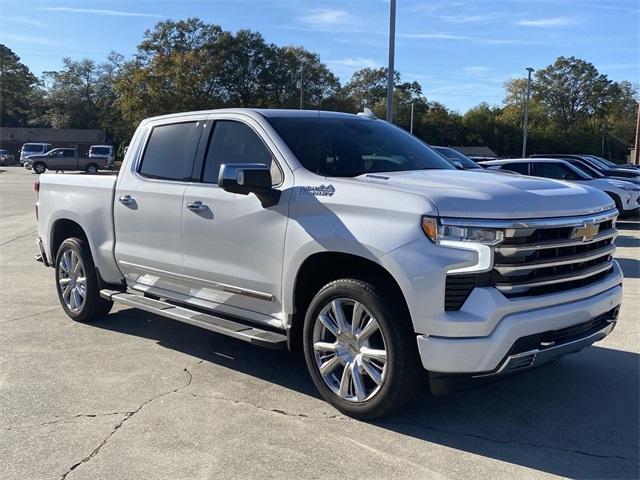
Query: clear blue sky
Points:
[460, 51]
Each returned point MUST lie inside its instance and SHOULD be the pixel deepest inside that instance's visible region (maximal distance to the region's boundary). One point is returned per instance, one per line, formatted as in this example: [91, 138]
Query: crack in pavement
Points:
[129, 415]
[506, 442]
[18, 237]
[82, 415]
[29, 316]
[265, 409]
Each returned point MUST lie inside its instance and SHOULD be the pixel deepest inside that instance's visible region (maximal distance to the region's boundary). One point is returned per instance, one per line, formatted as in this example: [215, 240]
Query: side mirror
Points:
[245, 178]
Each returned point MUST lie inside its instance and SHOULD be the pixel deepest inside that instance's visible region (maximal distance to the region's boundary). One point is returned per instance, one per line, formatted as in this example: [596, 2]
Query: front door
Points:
[233, 245]
[148, 206]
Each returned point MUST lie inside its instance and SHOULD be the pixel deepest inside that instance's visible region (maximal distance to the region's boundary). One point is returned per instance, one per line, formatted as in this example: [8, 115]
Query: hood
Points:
[469, 194]
[633, 180]
[616, 183]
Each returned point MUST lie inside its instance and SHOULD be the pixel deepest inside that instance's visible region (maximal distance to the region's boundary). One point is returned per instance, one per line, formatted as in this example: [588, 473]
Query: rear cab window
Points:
[170, 150]
[521, 168]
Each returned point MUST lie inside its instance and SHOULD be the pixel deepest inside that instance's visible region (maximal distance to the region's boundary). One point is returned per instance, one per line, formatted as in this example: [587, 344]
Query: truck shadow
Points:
[630, 267]
[576, 418]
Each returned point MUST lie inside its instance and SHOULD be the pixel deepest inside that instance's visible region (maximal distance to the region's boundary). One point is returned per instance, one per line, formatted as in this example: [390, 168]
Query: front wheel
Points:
[77, 282]
[360, 350]
[39, 167]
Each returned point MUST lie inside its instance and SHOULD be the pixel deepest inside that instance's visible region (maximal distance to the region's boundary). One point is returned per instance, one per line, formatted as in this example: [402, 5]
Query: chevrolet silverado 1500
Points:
[342, 235]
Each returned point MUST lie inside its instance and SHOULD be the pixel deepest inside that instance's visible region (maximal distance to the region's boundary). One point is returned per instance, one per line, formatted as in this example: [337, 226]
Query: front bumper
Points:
[493, 353]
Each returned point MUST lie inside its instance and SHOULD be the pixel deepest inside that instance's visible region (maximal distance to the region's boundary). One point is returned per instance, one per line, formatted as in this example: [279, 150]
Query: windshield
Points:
[608, 163]
[582, 172]
[100, 150]
[588, 169]
[457, 157]
[596, 163]
[348, 147]
[32, 148]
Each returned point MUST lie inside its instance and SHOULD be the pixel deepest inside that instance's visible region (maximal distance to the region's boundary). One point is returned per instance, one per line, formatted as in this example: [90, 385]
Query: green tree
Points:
[572, 91]
[81, 94]
[18, 90]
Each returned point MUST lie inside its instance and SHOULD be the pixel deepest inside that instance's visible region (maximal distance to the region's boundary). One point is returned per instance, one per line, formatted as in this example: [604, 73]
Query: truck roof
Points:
[264, 112]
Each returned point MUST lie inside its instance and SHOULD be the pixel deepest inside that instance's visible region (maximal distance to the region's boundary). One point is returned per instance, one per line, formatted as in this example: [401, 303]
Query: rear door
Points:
[233, 245]
[61, 159]
[148, 205]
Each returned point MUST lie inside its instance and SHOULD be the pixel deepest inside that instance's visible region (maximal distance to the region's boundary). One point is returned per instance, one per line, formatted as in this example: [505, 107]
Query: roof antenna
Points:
[367, 112]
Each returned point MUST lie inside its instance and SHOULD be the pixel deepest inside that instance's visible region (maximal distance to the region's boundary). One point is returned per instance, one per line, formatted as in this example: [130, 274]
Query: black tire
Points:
[39, 167]
[93, 305]
[92, 169]
[403, 372]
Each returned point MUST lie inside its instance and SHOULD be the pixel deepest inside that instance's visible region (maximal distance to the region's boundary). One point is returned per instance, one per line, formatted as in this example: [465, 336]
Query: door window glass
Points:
[169, 152]
[235, 142]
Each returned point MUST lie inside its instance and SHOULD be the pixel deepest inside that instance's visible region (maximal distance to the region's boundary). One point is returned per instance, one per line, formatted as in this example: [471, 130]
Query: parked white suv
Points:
[29, 149]
[342, 235]
[103, 152]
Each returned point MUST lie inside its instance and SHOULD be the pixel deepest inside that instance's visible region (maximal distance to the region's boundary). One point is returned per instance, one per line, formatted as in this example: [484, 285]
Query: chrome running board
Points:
[223, 326]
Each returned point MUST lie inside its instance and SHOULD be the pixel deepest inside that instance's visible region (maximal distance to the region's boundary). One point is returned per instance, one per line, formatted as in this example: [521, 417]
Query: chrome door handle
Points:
[196, 206]
[127, 200]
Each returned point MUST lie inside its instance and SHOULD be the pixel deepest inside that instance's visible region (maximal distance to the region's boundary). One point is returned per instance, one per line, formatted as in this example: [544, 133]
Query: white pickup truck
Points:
[342, 235]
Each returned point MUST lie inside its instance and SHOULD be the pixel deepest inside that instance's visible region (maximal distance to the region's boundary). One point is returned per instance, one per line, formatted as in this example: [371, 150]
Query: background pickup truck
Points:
[61, 159]
[341, 235]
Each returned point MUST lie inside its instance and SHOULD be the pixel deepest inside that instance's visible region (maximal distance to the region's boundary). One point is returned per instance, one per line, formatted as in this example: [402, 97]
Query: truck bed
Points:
[86, 200]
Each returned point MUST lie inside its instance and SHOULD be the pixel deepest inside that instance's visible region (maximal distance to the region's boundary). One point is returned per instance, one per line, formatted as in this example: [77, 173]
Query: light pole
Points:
[526, 114]
[301, 87]
[392, 47]
[411, 124]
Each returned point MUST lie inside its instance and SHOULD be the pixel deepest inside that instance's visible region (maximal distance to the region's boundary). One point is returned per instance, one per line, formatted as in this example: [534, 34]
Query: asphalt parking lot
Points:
[140, 396]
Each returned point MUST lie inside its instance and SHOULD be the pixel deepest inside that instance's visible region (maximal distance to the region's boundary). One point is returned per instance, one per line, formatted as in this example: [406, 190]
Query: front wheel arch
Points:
[617, 200]
[323, 267]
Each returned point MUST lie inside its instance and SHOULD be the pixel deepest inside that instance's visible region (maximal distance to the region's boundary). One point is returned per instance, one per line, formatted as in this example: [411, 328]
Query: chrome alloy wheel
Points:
[72, 280]
[350, 350]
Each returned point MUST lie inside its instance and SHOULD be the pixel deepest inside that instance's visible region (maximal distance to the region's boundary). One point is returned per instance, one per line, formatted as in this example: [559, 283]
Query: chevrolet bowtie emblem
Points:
[586, 232]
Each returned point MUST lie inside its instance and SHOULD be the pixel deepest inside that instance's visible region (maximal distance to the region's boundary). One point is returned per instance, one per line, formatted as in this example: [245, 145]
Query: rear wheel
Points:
[39, 167]
[77, 282]
[91, 168]
[359, 350]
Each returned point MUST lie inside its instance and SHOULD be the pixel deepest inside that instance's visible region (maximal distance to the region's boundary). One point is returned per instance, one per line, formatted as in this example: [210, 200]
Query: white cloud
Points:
[549, 22]
[28, 39]
[480, 18]
[100, 11]
[26, 21]
[326, 17]
[355, 63]
[465, 38]
[477, 70]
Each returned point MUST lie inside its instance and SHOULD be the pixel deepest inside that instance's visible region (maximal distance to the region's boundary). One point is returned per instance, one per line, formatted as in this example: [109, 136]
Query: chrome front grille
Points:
[540, 258]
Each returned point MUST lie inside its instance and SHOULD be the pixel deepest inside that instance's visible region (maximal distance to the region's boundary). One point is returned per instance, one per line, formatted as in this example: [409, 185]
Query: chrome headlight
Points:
[477, 239]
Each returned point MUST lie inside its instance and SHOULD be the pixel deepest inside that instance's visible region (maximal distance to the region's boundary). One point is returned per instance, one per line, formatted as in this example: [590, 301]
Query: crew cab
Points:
[341, 235]
[61, 159]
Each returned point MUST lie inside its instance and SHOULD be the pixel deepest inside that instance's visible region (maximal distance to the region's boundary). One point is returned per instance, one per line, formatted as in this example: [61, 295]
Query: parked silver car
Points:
[626, 195]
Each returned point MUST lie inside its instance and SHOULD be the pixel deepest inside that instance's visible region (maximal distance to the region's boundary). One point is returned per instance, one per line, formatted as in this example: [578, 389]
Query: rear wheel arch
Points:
[321, 268]
[61, 230]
